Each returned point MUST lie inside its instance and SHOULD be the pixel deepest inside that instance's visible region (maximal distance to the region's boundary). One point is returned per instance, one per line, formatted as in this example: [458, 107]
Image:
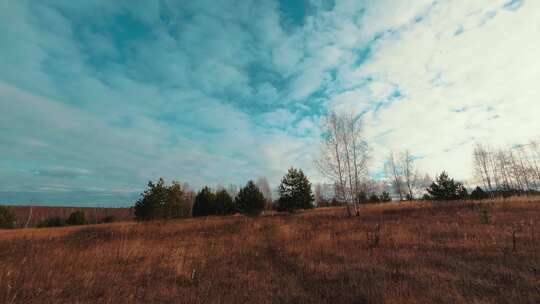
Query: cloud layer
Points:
[98, 98]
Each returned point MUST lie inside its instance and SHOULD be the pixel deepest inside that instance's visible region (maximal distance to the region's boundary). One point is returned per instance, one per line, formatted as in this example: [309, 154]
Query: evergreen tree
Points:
[7, 219]
[176, 205]
[205, 203]
[161, 201]
[250, 200]
[76, 218]
[224, 202]
[295, 191]
[446, 189]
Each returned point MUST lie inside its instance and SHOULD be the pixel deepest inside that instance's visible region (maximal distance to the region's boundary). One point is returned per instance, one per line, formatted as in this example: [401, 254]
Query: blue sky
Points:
[98, 97]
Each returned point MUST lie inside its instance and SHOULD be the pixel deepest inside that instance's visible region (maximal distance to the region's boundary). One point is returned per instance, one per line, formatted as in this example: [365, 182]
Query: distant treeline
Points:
[161, 201]
[46, 216]
[343, 159]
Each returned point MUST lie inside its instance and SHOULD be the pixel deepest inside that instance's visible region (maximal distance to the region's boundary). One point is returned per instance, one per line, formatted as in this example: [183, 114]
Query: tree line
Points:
[510, 170]
[344, 159]
[161, 201]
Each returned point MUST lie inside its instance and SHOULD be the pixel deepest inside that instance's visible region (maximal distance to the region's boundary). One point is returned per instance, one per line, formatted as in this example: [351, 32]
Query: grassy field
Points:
[408, 253]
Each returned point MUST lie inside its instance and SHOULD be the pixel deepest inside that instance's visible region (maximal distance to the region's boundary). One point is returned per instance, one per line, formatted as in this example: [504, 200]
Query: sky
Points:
[99, 97]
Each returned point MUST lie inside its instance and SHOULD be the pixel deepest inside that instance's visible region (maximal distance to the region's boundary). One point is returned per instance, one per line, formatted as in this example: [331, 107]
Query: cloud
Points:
[104, 96]
[62, 172]
[439, 72]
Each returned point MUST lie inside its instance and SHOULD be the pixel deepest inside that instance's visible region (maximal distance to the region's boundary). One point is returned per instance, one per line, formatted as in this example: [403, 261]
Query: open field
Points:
[409, 253]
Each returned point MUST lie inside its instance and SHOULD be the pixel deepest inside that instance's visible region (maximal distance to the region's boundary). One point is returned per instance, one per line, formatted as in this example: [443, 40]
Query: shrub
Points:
[374, 198]
[485, 216]
[446, 189]
[76, 218]
[109, 219]
[362, 198]
[7, 219]
[161, 201]
[250, 200]
[52, 222]
[295, 191]
[479, 194]
[205, 203]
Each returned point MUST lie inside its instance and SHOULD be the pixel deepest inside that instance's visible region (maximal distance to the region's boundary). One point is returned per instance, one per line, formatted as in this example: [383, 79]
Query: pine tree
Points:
[250, 200]
[224, 202]
[295, 191]
[446, 189]
[151, 204]
[7, 219]
[161, 201]
[205, 203]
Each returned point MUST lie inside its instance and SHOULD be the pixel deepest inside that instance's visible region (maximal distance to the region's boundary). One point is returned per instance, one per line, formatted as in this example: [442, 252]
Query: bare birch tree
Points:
[482, 165]
[344, 156]
[514, 168]
[395, 173]
[410, 174]
[264, 187]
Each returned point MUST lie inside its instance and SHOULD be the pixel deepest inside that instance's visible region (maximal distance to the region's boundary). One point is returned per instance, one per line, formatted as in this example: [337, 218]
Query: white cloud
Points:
[488, 73]
[228, 95]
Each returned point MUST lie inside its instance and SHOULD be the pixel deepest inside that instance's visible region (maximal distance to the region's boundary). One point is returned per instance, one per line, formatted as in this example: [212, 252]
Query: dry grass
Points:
[408, 253]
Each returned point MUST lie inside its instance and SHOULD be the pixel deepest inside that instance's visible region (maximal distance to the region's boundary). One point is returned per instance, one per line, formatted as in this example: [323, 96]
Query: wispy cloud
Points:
[106, 95]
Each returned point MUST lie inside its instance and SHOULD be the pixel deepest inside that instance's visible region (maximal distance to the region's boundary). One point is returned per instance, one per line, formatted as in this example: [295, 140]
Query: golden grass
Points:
[425, 253]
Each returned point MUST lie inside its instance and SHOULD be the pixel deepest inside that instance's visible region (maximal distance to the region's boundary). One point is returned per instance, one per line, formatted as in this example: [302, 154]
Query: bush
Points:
[161, 201]
[374, 198]
[295, 192]
[7, 219]
[109, 219]
[52, 222]
[250, 200]
[76, 218]
[362, 198]
[205, 203]
[479, 194]
[446, 189]
[485, 216]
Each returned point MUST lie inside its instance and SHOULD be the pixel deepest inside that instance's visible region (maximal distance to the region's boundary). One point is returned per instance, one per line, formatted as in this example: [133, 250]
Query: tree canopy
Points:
[295, 191]
[250, 200]
[161, 201]
[446, 189]
[205, 203]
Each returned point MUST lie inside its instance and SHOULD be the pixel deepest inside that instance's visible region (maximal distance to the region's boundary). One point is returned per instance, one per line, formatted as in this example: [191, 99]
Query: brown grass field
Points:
[422, 253]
